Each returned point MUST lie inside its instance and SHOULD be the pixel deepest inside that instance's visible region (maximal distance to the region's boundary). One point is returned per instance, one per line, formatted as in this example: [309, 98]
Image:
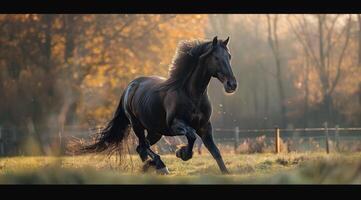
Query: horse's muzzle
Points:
[230, 85]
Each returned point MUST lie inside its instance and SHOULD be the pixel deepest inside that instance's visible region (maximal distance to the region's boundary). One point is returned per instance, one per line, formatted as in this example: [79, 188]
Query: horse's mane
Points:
[184, 62]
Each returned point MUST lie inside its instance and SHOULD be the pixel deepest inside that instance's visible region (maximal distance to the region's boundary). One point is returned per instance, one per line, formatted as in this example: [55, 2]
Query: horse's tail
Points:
[111, 137]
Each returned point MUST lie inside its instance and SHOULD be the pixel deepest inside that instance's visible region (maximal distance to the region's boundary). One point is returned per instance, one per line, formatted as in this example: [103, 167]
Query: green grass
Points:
[252, 168]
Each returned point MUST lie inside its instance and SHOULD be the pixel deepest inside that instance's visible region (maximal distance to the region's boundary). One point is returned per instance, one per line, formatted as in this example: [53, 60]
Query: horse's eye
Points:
[216, 58]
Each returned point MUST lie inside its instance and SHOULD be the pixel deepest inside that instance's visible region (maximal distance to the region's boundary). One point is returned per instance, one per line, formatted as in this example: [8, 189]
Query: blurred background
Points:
[62, 75]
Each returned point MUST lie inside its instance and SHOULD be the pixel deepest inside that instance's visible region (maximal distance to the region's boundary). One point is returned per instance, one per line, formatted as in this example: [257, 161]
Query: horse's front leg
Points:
[180, 128]
[207, 138]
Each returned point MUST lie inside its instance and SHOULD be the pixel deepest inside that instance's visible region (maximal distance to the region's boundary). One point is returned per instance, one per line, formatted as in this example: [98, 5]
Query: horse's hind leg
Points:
[143, 143]
[153, 138]
[144, 151]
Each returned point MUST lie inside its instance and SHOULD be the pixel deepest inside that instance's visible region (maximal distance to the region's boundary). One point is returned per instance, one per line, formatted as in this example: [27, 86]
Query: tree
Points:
[274, 44]
[331, 43]
[68, 69]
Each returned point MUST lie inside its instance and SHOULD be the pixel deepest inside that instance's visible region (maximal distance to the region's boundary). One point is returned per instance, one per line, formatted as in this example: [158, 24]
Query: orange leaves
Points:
[86, 54]
[131, 46]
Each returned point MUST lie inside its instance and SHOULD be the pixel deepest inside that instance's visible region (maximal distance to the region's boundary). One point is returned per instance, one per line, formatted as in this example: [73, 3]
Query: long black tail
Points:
[111, 137]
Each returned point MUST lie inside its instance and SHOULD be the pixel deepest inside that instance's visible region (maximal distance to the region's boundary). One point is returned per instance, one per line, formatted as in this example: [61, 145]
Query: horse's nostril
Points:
[229, 84]
[232, 84]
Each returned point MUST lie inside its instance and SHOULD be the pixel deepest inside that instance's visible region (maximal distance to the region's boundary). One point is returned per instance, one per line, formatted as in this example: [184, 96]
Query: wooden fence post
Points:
[236, 136]
[60, 137]
[15, 140]
[337, 138]
[327, 138]
[277, 140]
[1, 142]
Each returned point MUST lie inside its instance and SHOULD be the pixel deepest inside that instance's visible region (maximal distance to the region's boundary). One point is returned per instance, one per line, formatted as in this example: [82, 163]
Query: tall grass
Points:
[265, 168]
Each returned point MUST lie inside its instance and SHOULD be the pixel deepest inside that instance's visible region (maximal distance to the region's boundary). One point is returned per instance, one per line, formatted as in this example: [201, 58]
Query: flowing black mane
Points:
[184, 62]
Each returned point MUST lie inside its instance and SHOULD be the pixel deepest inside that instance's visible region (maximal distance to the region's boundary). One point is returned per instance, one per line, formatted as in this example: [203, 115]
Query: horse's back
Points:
[148, 80]
[146, 89]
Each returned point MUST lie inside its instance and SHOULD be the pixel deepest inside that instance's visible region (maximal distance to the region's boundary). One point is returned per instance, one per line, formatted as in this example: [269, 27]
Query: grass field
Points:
[291, 168]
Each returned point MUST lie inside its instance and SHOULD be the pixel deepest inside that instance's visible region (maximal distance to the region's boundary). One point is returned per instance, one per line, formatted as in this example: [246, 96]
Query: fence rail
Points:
[287, 129]
[9, 137]
[277, 133]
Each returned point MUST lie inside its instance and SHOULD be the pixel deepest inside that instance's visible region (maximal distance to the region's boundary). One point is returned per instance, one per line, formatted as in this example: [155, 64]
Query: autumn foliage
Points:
[71, 69]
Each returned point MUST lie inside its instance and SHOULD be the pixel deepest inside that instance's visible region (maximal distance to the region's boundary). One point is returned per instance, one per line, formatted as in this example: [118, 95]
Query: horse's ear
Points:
[225, 42]
[215, 40]
[214, 43]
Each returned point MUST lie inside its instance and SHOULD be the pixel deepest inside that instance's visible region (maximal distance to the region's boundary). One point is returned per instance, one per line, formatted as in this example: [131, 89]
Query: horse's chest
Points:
[195, 112]
[196, 116]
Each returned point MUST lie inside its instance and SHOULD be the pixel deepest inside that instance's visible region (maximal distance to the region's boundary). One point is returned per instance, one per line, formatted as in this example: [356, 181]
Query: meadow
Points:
[258, 168]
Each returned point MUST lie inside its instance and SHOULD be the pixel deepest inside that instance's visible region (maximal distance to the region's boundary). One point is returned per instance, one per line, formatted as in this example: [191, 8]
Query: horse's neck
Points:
[198, 82]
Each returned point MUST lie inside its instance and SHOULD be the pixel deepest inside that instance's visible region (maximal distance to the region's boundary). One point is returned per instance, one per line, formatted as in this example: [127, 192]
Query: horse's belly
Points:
[153, 119]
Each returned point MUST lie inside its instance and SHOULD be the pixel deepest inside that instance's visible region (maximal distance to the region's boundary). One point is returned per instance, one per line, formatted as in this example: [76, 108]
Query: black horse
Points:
[175, 106]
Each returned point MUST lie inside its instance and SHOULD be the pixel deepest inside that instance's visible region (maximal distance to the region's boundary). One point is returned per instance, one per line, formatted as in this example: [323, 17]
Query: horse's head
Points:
[217, 59]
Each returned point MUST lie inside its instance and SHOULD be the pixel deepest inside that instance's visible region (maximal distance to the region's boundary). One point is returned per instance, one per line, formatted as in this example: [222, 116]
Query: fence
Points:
[320, 134]
[9, 137]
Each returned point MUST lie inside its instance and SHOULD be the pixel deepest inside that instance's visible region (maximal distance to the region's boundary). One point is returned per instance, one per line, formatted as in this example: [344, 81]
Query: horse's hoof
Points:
[183, 154]
[163, 171]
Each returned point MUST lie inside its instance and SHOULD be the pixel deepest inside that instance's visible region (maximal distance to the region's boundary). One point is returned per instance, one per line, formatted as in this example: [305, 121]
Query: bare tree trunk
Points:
[359, 93]
[38, 109]
[306, 73]
[322, 60]
[68, 95]
[273, 41]
[255, 94]
[327, 99]
[62, 119]
[266, 100]
[48, 19]
[359, 39]
[330, 84]
[359, 53]
[282, 95]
